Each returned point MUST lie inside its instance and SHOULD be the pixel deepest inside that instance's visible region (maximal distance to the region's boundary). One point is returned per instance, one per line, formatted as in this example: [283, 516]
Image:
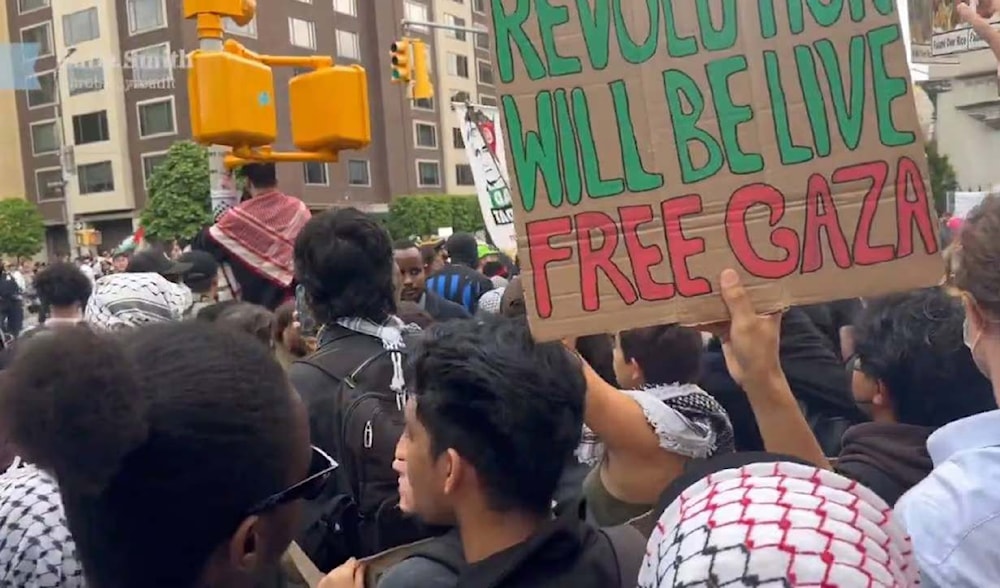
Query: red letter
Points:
[908, 211]
[680, 247]
[600, 258]
[739, 234]
[821, 214]
[642, 256]
[542, 253]
[878, 172]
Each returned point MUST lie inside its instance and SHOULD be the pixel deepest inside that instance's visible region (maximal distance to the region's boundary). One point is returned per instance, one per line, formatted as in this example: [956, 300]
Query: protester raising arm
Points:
[750, 344]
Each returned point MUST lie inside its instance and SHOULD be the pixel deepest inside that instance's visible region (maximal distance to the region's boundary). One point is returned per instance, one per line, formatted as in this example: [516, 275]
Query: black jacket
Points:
[888, 458]
[441, 309]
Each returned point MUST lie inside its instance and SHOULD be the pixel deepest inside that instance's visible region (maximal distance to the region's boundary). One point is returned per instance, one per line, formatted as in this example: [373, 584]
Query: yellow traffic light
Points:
[423, 89]
[232, 100]
[402, 71]
[329, 109]
[241, 11]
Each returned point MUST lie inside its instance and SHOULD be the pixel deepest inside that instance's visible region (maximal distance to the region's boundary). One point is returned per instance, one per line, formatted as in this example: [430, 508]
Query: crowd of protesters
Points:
[174, 425]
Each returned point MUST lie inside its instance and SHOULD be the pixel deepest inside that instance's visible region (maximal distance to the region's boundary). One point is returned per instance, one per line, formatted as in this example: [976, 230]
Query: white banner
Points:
[484, 146]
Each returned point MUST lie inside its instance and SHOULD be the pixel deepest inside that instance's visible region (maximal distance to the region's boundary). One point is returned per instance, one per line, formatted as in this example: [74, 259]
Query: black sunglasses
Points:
[320, 470]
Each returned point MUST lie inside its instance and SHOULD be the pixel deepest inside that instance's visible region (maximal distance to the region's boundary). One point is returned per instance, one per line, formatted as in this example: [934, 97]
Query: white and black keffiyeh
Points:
[36, 548]
[778, 524]
[121, 301]
[686, 419]
[390, 333]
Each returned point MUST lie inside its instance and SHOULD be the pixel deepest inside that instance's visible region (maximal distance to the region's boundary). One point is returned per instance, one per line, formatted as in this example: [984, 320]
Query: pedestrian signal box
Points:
[232, 100]
[402, 71]
[330, 110]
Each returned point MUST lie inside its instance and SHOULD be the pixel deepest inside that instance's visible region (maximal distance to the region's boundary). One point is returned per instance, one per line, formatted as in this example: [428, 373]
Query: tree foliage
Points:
[943, 179]
[22, 228]
[179, 205]
[421, 215]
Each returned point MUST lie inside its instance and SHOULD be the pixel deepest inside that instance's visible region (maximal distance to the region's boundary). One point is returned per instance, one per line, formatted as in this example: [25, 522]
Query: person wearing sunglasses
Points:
[180, 450]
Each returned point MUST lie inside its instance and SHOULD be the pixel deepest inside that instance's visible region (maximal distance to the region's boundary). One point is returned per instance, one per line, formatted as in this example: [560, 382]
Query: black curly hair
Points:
[62, 285]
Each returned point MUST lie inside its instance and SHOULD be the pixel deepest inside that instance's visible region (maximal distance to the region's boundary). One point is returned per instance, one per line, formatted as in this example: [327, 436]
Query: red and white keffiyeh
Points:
[778, 524]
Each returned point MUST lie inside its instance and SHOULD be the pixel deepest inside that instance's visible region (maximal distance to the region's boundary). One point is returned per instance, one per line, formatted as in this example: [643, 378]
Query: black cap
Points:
[203, 266]
[151, 262]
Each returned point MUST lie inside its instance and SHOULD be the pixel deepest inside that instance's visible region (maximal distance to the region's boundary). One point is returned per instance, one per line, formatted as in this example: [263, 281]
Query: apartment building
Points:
[11, 178]
[115, 69]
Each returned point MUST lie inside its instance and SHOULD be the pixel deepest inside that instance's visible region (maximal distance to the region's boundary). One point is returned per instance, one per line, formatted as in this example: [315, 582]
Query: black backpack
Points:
[359, 423]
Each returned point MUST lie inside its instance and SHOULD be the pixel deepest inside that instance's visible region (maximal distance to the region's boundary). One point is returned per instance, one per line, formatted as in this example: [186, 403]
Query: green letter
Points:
[730, 115]
[508, 30]
[768, 22]
[887, 88]
[636, 177]
[850, 117]
[630, 51]
[813, 96]
[718, 39]
[550, 17]
[685, 126]
[826, 13]
[570, 154]
[790, 152]
[532, 151]
[796, 17]
[596, 27]
[676, 46]
[597, 187]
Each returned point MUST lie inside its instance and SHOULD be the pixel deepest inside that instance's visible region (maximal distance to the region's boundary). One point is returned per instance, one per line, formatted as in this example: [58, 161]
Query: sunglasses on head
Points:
[320, 470]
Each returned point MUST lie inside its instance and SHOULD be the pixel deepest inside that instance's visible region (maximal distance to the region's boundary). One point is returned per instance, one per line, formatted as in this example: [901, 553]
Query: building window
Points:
[455, 22]
[314, 173]
[479, 6]
[302, 33]
[418, 12]
[86, 76]
[44, 138]
[80, 26]
[150, 161]
[424, 104]
[156, 118]
[90, 128]
[485, 70]
[40, 35]
[483, 41]
[150, 66]
[49, 184]
[248, 30]
[358, 173]
[428, 174]
[463, 175]
[145, 15]
[347, 45]
[45, 95]
[425, 135]
[30, 5]
[457, 139]
[95, 178]
[458, 65]
[349, 7]
[486, 100]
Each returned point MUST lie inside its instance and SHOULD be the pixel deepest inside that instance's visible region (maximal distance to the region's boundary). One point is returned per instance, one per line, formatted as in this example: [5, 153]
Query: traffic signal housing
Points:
[232, 100]
[329, 109]
[423, 89]
[402, 67]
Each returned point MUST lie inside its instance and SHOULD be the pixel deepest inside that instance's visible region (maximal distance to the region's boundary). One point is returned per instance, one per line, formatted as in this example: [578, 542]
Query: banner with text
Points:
[920, 16]
[654, 144]
[484, 146]
[950, 35]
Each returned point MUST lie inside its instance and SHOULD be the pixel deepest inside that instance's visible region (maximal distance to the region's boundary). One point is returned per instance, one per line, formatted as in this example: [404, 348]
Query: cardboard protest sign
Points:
[652, 144]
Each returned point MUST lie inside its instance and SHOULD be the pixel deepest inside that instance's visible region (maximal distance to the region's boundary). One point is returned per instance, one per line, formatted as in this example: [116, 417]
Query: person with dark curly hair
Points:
[63, 290]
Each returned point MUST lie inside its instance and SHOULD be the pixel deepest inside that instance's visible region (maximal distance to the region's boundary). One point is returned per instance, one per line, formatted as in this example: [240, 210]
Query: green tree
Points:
[22, 228]
[422, 215]
[179, 205]
[943, 179]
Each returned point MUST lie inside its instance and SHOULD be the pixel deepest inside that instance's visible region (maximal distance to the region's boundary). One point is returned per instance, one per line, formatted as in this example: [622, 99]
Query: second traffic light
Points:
[402, 67]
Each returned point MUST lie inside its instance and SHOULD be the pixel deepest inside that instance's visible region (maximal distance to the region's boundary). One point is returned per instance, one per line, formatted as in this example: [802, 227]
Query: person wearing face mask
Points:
[953, 515]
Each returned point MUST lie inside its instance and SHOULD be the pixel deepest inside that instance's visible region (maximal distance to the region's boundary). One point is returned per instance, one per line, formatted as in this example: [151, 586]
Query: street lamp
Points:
[65, 151]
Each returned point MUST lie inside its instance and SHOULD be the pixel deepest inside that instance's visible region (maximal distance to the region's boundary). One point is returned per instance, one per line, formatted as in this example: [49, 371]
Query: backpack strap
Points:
[445, 550]
[629, 547]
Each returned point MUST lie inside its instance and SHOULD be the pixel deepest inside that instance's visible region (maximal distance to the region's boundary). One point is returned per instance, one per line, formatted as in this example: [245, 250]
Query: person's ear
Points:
[246, 545]
[454, 469]
[973, 313]
[881, 396]
[637, 376]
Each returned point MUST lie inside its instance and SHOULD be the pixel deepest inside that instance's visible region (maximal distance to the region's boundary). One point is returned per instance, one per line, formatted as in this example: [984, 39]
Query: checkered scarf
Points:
[390, 333]
[121, 301]
[687, 420]
[778, 524]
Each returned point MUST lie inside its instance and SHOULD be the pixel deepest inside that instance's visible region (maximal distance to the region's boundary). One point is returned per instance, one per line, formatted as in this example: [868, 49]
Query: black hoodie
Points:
[888, 458]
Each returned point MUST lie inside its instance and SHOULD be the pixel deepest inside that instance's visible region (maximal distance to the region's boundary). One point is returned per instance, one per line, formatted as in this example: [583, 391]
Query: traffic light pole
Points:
[408, 25]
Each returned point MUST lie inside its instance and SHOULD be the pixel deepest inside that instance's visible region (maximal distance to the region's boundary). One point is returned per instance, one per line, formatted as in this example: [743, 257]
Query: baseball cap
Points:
[203, 266]
[152, 262]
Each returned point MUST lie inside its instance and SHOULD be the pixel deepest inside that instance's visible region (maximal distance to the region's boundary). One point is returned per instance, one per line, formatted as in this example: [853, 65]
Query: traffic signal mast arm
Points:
[410, 57]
